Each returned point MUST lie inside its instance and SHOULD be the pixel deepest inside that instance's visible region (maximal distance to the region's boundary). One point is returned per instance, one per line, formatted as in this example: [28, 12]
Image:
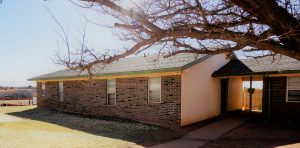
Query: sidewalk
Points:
[206, 134]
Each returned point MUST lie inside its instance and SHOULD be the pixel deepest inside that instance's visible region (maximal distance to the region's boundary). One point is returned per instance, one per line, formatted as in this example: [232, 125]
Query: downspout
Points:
[269, 96]
[250, 93]
[243, 99]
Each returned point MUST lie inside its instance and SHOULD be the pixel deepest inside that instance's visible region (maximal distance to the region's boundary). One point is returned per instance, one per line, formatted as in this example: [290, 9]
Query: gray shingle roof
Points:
[278, 64]
[151, 63]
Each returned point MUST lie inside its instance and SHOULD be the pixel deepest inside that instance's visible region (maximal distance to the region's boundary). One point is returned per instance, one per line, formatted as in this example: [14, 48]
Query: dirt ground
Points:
[255, 134]
[46, 128]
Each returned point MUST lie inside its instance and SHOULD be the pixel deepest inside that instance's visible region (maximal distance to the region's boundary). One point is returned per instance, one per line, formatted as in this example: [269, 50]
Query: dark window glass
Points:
[111, 99]
[294, 95]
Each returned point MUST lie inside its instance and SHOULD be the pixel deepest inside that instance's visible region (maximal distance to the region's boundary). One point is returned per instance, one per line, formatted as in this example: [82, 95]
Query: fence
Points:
[256, 99]
[16, 101]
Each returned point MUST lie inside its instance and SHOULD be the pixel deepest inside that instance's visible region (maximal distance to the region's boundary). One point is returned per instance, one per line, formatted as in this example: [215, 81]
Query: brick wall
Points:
[279, 108]
[50, 100]
[88, 97]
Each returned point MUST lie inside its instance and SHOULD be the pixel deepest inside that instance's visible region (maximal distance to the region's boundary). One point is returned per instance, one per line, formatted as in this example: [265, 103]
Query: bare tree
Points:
[194, 26]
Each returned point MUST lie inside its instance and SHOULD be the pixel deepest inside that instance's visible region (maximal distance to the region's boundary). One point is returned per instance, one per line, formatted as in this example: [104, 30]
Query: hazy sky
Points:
[28, 41]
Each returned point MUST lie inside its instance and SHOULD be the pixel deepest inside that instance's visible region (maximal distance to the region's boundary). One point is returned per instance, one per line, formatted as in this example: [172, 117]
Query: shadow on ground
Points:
[117, 128]
[256, 133]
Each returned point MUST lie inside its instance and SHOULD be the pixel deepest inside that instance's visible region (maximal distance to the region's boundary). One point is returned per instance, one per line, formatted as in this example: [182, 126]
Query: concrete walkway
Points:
[206, 134]
[8, 118]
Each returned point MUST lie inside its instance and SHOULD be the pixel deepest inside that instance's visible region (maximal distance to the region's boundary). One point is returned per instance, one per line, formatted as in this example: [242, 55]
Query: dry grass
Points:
[45, 128]
[12, 109]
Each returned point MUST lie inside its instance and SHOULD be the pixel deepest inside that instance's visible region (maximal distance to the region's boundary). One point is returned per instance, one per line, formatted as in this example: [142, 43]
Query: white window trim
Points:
[61, 91]
[287, 92]
[149, 90]
[43, 89]
[108, 93]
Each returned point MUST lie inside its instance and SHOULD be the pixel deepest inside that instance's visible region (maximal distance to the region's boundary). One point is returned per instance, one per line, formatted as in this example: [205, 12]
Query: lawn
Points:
[46, 128]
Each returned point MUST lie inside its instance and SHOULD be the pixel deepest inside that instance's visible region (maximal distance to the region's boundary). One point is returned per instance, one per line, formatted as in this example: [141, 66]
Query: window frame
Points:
[287, 90]
[43, 89]
[61, 91]
[149, 90]
[107, 93]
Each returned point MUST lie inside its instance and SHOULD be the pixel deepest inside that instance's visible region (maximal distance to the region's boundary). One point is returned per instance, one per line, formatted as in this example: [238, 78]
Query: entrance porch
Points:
[243, 93]
[281, 87]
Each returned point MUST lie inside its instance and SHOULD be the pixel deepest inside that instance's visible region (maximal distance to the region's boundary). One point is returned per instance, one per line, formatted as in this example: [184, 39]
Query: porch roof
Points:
[260, 66]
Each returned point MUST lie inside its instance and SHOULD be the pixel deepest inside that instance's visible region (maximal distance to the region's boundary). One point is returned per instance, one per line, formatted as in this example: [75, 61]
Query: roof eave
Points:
[174, 69]
[257, 73]
[196, 62]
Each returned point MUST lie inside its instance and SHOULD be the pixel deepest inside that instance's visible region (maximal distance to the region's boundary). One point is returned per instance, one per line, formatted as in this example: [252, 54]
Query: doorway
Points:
[254, 105]
[224, 95]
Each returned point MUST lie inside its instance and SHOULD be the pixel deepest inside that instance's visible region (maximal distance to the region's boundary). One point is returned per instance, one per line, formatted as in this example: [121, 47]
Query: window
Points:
[61, 91]
[43, 88]
[111, 92]
[154, 90]
[293, 89]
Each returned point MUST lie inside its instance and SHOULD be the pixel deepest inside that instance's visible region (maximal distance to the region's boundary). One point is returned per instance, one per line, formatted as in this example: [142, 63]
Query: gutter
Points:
[174, 69]
[257, 73]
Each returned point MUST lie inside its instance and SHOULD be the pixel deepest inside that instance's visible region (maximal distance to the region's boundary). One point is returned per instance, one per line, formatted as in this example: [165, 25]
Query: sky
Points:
[255, 84]
[29, 39]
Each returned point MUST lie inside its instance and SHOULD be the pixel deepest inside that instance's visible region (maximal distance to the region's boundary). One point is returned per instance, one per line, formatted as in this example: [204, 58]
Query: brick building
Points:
[176, 91]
